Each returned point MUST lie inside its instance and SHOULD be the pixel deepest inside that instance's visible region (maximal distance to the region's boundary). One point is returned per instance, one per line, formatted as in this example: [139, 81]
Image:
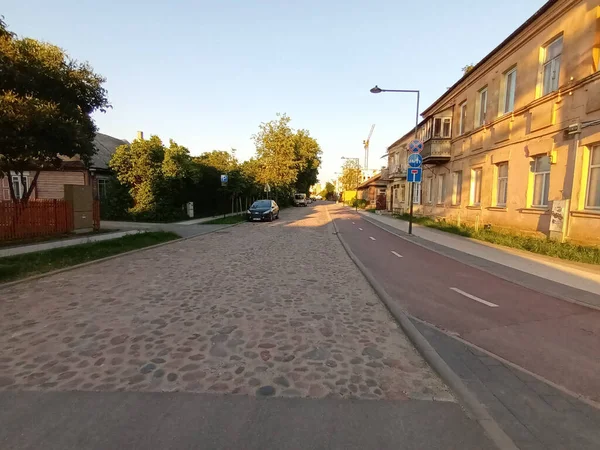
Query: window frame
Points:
[499, 190]
[437, 120]
[546, 184]
[417, 190]
[481, 107]
[19, 187]
[556, 61]
[456, 187]
[591, 167]
[462, 121]
[475, 194]
[429, 197]
[441, 189]
[102, 191]
[506, 107]
[447, 120]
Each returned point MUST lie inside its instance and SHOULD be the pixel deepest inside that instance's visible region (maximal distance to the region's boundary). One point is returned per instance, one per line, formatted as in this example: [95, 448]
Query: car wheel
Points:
[271, 217]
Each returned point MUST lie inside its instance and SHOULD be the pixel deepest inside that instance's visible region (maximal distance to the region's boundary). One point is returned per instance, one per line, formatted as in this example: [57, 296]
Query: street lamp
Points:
[357, 160]
[378, 90]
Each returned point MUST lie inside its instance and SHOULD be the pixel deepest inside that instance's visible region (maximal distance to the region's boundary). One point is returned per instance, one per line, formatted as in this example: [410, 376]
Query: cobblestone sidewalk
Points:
[260, 309]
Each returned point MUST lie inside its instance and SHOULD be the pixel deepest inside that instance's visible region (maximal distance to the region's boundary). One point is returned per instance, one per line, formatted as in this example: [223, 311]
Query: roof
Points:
[505, 42]
[106, 146]
[372, 180]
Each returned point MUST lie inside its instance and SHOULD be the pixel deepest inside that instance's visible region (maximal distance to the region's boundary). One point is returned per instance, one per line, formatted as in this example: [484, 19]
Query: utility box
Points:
[190, 210]
[81, 200]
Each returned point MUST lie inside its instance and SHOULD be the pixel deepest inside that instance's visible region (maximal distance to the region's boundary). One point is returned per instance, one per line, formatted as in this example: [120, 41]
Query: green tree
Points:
[307, 154]
[43, 89]
[221, 160]
[350, 177]
[328, 192]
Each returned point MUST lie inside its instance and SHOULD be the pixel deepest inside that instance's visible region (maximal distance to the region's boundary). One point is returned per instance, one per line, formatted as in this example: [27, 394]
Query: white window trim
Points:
[417, 190]
[456, 188]
[440, 189]
[449, 119]
[462, 119]
[543, 63]
[498, 178]
[472, 201]
[502, 110]
[589, 180]
[546, 177]
[17, 178]
[481, 121]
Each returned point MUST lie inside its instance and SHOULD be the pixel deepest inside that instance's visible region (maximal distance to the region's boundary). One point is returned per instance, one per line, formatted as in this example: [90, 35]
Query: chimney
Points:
[140, 135]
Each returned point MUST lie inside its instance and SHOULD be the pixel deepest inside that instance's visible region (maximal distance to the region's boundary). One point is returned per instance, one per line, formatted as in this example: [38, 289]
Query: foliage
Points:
[359, 203]
[307, 152]
[467, 68]
[42, 89]
[542, 246]
[328, 192]
[21, 266]
[117, 203]
[350, 177]
[227, 220]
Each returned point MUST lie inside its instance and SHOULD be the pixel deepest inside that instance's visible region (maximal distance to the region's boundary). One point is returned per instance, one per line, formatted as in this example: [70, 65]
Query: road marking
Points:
[360, 229]
[353, 223]
[397, 254]
[472, 297]
[372, 238]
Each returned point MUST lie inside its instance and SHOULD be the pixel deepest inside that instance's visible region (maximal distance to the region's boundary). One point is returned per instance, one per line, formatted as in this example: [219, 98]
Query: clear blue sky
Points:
[207, 73]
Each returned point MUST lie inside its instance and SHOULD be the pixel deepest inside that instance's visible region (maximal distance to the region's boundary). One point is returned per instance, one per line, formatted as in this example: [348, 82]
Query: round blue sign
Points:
[415, 160]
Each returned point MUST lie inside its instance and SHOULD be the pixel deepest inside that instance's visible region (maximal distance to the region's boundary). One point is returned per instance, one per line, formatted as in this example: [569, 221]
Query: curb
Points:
[399, 233]
[474, 408]
[108, 258]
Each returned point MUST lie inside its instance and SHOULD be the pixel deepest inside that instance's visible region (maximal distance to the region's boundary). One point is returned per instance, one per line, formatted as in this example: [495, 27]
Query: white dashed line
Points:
[397, 254]
[353, 223]
[372, 238]
[360, 229]
[472, 297]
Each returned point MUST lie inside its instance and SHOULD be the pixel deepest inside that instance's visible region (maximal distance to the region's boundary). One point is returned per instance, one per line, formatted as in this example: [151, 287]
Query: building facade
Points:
[515, 143]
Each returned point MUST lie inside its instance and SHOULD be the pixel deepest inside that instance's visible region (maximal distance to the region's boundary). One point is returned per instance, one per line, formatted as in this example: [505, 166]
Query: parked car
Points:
[263, 210]
[300, 200]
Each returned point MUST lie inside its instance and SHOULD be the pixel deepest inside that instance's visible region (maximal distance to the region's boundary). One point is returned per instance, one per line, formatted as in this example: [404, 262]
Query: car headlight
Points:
[248, 212]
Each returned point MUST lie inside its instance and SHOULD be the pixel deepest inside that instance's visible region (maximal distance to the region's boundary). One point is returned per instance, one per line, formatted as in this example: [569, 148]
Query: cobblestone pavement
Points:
[260, 309]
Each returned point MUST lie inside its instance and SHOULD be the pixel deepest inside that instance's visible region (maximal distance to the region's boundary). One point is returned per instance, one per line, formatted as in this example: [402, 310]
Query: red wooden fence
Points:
[34, 218]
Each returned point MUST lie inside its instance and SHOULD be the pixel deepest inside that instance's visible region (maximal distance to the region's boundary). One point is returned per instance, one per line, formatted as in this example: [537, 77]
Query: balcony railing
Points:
[397, 171]
[436, 151]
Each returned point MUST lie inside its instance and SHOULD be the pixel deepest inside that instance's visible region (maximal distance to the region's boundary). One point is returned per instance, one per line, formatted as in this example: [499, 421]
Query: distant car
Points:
[300, 200]
[263, 210]
[308, 200]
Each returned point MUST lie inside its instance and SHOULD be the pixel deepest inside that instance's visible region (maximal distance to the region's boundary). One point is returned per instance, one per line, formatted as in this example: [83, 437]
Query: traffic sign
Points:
[414, 175]
[224, 179]
[415, 160]
[415, 146]
[267, 188]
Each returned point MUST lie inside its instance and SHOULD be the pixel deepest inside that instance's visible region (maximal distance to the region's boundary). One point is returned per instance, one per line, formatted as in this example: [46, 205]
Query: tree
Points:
[221, 160]
[467, 68]
[275, 150]
[350, 177]
[46, 103]
[307, 153]
[328, 192]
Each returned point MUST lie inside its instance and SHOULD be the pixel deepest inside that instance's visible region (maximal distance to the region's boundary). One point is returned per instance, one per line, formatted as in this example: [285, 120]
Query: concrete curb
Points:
[108, 258]
[474, 408]
[403, 235]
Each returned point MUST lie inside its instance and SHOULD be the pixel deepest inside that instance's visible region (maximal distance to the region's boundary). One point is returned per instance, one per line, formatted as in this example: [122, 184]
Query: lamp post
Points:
[357, 160]
[378, 90]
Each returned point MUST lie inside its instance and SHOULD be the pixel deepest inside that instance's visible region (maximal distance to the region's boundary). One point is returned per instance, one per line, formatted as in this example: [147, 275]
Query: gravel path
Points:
[259, 309]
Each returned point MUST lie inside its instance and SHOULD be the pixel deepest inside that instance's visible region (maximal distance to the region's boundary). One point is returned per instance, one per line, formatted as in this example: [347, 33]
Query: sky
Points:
[207, 73]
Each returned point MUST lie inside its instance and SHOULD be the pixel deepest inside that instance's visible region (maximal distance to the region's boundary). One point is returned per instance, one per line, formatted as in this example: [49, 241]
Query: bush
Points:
[360, 203]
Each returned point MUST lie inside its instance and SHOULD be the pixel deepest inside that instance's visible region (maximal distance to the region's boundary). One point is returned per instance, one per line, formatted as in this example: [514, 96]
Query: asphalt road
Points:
[557, 340]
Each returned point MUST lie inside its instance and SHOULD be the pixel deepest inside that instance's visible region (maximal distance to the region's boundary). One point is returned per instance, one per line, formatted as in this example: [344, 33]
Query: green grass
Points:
[542, 246]
[21, 266]
[226, 220]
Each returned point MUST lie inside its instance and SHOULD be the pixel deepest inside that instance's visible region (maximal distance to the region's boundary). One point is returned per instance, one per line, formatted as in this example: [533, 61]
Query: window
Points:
[403, 193]
[441, 192]
[429, 189]
[475, 187]
[551, 67]
[510, 85]
[18, 186]
[417, 193]
[502, 171]
[437, 127]
[102, 185]
[447, 127]
[541, 180]
[593, 190]
[456, 187]
[463, 118]
[481, 107]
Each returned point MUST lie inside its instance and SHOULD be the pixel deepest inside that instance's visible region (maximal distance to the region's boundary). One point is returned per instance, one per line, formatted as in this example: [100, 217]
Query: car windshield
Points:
[261, 204]
[299, 196]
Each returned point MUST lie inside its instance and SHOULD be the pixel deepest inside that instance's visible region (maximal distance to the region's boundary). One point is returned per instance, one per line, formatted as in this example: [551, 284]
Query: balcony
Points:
[398, 171]
[436, 151]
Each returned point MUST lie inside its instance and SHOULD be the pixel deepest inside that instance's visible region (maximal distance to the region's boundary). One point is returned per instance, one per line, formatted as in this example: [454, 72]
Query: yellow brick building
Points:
[516, 141]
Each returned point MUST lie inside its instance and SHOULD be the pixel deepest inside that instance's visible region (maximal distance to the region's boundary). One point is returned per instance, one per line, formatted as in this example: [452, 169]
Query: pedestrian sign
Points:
[415, 146]
[414, 175]
[415, 160]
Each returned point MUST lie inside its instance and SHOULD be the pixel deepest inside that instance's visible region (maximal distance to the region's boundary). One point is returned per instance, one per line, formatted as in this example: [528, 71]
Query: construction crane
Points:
[366, 145]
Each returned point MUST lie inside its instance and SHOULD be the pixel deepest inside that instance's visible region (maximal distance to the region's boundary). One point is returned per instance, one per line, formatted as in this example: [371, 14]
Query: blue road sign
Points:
[224, 178]
[415, 146]
[415, 160]
[414, 175]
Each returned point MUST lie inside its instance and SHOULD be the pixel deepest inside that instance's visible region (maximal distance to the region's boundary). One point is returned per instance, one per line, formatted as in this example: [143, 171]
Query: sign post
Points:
[224, 181]
[415, 171]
